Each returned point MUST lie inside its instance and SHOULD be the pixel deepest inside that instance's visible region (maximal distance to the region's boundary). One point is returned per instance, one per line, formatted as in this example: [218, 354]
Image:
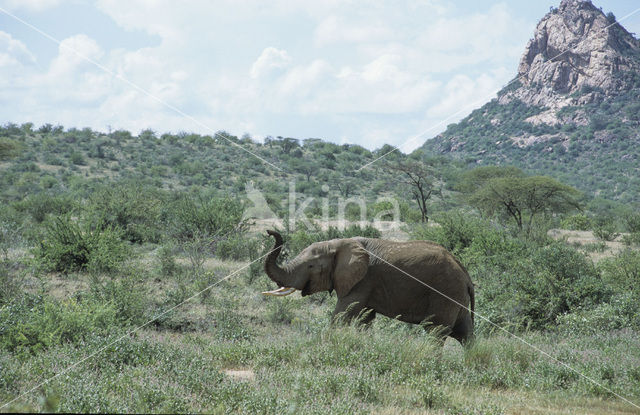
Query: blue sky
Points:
[365, 72]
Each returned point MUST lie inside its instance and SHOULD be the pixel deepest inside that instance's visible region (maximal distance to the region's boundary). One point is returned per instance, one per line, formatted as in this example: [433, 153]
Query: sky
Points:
[359, 72]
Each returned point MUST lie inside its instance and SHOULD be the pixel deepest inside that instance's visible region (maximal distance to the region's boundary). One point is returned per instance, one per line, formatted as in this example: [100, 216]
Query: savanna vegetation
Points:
[133, 251]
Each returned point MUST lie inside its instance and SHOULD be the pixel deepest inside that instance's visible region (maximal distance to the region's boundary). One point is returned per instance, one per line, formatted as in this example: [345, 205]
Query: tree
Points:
[523, 198]
[422, 178]
[472, 180]
[305, 166]
[8, 148]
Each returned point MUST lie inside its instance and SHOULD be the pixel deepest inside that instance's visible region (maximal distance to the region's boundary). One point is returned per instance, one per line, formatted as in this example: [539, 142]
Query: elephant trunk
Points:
[281, 276]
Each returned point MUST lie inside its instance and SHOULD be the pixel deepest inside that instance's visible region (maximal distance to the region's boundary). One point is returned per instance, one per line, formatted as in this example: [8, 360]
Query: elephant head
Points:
[337, 265]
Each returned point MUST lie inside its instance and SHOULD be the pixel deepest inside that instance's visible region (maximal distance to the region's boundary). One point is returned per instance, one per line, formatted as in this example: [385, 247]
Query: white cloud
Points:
[372, 74]
[336, 29]
[31, 5]
[13, 51]
[270, 60]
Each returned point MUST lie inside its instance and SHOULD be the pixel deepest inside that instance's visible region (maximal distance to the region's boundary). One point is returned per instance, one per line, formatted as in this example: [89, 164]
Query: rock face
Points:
[572, 112]
[575, 47]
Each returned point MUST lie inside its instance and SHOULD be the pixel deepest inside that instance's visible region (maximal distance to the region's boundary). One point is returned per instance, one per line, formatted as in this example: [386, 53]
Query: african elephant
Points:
[395, 279]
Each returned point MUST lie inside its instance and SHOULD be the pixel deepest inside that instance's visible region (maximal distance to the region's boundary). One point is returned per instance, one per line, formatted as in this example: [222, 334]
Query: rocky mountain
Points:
[572, 111]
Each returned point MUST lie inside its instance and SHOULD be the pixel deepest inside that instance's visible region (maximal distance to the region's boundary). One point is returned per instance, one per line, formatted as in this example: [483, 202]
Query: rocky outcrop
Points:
[575, 48]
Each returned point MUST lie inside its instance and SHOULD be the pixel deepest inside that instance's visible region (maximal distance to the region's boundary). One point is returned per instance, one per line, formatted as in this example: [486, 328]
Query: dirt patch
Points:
[586, 239]
[240, 374]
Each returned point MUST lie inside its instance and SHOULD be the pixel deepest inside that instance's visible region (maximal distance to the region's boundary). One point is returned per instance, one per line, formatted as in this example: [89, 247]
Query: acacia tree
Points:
[422, 178]
[523, 198]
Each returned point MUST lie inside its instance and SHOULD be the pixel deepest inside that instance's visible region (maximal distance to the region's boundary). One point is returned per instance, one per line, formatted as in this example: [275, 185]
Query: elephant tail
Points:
[472, 304]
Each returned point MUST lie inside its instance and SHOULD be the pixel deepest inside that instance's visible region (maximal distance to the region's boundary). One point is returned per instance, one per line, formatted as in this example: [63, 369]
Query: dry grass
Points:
[583, 239]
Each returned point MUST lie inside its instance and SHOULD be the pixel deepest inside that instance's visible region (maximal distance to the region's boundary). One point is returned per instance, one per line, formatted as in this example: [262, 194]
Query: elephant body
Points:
[412, 281]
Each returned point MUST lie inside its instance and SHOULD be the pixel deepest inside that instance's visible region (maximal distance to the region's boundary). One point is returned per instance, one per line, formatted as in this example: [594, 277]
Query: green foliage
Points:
[632, 222]
[126, 295]
[300, 239]
[623, 271]
[472, 180]
[521, 199]
[632, 239]
[563, 280]
[38, 206]
[211, 217]
[579, 222]
[620, 312]
[130, 206]
[69, 245]
[77, 158]
[281, 310]
[30, 324]
[238, 247]
[605, 229]
[166, 258]
[8, 148]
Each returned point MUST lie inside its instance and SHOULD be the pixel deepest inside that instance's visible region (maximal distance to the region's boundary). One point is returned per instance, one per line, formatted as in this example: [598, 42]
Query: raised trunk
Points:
[279, 275]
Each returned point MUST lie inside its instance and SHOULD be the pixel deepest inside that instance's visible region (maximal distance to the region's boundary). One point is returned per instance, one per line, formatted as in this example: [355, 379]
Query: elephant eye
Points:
[310, 265]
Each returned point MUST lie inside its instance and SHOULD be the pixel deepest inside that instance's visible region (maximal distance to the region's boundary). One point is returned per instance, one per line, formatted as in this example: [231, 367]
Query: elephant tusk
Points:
[280, 292]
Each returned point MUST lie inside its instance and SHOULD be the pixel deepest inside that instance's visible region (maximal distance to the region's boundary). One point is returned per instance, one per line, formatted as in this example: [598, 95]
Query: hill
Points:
[572, 112]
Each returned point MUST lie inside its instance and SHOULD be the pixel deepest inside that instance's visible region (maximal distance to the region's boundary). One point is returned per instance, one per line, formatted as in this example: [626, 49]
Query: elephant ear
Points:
[352, 261]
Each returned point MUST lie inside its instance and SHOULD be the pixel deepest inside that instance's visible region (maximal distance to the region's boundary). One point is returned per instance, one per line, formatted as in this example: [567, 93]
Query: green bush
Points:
[132, 207]
[631, 239]
[579, 222]
[556, 280]
[10, 285]
[606, 230]
[77, 159]
[281, 310]
[632, 222]
[238, 248]
[40, 205]
[213, 217]
[623, 311]
[300, 239]
[167, 260]
[623, 271]
[69, 245]
[31, 324]
[125, 294]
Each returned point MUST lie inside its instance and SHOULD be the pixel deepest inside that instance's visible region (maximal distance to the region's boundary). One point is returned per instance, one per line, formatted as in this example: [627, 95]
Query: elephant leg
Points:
[463, 329]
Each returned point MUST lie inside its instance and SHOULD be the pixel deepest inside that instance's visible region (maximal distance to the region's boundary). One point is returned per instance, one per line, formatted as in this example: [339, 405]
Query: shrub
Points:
[623, 271]
[631, 239]
[40, 205]
[71, 246]
[281, 310]
[605, 230]
[132, 207]
[9, 284]
[10, 231]
[32, 324]
[238, 247]
[621, 312]
[167, 260]
[557, 280]
[77, 158]
[212, 217]
[126, 295]
[632, 222]
[300, 239]
[579, 222]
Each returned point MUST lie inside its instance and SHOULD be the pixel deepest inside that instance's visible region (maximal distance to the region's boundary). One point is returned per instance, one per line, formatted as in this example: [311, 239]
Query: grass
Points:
[291, 360]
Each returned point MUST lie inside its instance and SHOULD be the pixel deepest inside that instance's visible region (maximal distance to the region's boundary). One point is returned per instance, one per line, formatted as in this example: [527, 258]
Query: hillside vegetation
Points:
[101, 234]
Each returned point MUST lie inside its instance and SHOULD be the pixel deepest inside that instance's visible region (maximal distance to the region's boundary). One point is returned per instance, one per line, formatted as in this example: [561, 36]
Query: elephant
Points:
[414, 281]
